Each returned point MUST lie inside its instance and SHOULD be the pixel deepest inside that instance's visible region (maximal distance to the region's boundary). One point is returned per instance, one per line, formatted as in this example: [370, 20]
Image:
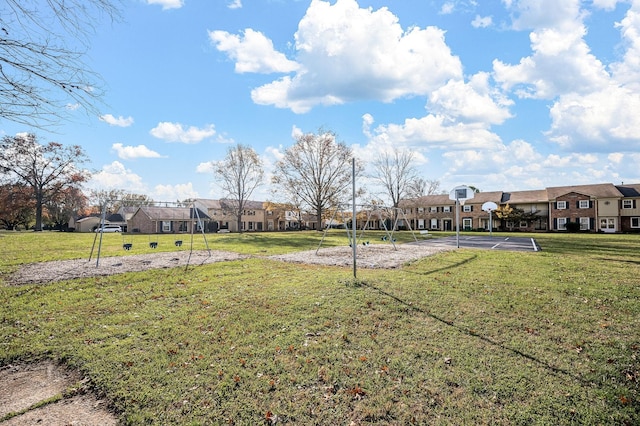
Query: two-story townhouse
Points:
[471, 214]
[535, 206]
[594, 207]
[629, 207]
[435, 212]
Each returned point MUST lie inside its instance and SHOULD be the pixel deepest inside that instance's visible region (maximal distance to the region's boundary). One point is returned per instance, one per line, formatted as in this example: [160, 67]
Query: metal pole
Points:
[353, 220]
[101, 228]
[457, 223]
[490, 224]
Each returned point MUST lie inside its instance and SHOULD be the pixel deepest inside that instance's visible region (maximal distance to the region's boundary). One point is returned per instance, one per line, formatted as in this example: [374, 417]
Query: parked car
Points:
[109, 228]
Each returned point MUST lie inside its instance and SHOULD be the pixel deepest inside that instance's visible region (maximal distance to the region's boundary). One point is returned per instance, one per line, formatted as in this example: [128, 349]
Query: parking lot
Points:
[485, 242]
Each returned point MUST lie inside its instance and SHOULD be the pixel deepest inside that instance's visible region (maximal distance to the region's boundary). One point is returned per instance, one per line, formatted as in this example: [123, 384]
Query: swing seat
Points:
[178, 243]
[153, 244]
[127, 246]
[365, 243]
[383, 238]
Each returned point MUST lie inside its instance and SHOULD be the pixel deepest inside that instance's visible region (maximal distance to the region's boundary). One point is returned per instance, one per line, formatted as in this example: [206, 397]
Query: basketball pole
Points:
[353, 220]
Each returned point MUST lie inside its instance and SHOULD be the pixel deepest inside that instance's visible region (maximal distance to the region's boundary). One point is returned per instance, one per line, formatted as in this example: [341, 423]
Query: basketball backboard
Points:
[461, 194]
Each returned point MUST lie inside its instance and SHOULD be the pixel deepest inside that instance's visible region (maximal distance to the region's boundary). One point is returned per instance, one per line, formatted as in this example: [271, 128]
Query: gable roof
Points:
[172, 213]
[526, 197]
[601, 190]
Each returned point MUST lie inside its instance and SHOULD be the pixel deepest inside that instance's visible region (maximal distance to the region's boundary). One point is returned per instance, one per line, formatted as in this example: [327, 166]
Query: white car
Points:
[109, 228]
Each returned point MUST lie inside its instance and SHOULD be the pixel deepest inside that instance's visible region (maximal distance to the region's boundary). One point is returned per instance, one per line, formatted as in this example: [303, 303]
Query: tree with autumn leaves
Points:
[49, 172]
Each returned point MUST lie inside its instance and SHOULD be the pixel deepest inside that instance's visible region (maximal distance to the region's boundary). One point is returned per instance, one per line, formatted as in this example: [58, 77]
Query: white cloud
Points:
[167, 4]
[615, 157]
[347, 53]
[627, 72]
[437, 131]
[554, 49]
[253, 53]
[206, 167]
[604, 120]
[119, 122]
[528, 14]
[447, 8]
[117, 176]
[174, 192]
[174, 132]
[475, 101]
[133, 152]
[482, 21]
[235, 4]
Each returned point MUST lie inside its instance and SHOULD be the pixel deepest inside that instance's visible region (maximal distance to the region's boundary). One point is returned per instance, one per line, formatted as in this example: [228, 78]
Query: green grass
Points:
[464, 337]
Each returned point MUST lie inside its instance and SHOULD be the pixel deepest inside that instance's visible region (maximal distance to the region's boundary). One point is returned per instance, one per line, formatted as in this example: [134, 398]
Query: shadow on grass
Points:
[554, 370]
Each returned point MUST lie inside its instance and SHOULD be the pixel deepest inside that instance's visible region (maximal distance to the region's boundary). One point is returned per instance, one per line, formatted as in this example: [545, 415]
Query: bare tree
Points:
[421, 187]
[396, 173]
[42, 44]
[47, 169]
[240, 173]
[316, 170]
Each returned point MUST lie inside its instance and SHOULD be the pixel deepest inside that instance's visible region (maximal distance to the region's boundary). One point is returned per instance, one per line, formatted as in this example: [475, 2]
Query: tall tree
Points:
[16, 206]
[396, 173]
[316, 170]
[240, 173]
[46, 169]
[64, 205]
[42, 44]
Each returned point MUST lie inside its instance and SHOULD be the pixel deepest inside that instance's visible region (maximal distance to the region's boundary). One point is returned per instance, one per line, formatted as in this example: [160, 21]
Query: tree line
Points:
[42, 184]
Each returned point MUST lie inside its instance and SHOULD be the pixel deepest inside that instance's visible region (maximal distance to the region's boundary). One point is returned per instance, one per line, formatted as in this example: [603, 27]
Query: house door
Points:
[446, 223]
[608, 224]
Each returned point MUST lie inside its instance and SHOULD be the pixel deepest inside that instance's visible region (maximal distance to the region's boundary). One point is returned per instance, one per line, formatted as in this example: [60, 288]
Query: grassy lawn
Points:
[463, 337]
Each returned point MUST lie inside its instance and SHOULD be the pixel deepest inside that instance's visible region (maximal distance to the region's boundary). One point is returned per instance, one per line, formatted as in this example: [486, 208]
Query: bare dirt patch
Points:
[384, 256]
[46, 272]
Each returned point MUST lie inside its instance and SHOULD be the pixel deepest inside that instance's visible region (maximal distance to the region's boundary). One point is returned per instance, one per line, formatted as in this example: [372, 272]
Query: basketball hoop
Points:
[460, 194]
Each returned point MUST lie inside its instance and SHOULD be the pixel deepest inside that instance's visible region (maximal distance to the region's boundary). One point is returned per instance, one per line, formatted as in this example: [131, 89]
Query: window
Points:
[433, 209]
[467, 223]
[583, 204]
[523, 224]
[420, 223]
[627, 204]
[584, 223]
[434, 223]
[635, 222]
[446, 209]
[561, 205]
[467, 209]
[166, 226]
[562, 222]
[420, 209]
[250, 226]
[269, 212]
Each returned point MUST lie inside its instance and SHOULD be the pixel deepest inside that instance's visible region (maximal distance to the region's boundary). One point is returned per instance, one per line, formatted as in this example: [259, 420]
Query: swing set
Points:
[127, 238]
[382, 213]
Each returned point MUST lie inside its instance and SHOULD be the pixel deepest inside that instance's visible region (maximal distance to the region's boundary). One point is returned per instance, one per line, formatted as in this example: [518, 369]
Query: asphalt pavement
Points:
[486, 242]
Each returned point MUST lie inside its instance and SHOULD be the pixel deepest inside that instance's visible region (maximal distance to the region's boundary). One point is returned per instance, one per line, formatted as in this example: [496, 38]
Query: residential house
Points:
[438, 212]
[158, 220]
[84, 223]
[222, 215]
[532, 203]
[629, 207]
[594, 207]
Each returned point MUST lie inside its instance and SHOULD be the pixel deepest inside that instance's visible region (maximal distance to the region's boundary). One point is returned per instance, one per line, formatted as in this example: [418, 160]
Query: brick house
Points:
[159, 220]
[594, 207]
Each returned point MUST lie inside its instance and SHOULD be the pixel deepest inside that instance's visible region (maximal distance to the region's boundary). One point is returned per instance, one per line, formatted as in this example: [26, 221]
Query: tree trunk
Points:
[38, 226]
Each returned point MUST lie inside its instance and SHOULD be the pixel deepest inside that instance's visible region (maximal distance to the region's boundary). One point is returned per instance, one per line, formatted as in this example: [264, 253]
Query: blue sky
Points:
[501, 95]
